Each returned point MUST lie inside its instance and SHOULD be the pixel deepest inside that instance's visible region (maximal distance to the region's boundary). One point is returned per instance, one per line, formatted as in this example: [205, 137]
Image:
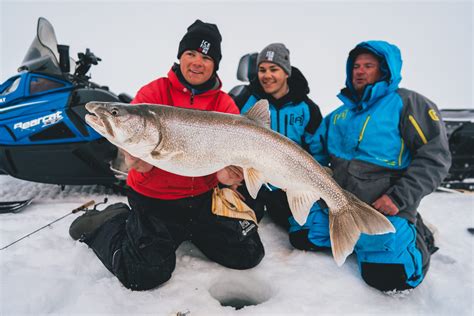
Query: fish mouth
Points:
[98, 119]
[94, 121]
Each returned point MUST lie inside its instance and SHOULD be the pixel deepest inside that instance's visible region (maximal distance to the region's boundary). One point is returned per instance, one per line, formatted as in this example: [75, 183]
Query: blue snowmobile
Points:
[43, 134]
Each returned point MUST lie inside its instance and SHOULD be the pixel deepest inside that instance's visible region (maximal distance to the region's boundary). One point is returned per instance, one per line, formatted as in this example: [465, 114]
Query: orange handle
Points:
[84, 206]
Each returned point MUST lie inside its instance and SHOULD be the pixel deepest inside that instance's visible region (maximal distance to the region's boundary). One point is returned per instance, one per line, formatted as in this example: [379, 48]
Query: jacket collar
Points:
[297, 83]
[178, 82]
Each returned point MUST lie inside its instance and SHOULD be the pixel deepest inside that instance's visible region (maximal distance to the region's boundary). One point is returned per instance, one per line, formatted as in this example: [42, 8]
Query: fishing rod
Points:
[83, 207]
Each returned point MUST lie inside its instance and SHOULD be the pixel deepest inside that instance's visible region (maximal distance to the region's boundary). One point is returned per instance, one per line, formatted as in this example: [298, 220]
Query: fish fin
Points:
[300, 204]
[260, 113]
[253, 180]
[346, 225]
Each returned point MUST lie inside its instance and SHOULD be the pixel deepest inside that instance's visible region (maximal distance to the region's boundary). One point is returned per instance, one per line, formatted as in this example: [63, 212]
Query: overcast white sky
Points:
[138, 40]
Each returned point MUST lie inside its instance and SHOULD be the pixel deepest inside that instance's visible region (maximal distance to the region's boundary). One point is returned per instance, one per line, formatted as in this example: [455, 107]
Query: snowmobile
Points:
[459, 127]
[460, 130]
[246, 72]
[43, 135]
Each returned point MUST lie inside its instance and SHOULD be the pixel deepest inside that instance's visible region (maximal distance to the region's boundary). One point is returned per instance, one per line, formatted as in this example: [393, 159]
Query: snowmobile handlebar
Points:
[86, 60]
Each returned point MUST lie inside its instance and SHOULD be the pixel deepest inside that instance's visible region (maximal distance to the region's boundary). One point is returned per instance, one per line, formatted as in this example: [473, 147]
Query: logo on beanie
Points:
[269, 56]
[204, 47]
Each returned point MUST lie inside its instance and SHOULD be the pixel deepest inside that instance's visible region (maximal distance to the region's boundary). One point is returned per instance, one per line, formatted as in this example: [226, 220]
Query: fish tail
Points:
[346, 225]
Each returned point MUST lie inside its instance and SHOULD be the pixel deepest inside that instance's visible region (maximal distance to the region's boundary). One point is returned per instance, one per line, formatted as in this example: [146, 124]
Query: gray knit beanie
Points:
[278, 54]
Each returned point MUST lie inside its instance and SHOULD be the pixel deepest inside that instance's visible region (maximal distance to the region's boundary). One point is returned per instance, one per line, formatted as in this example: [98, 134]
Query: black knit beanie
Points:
[204, 38]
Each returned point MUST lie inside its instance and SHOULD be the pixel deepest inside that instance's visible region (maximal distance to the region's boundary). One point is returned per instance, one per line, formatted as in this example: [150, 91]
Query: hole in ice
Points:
[238, 290]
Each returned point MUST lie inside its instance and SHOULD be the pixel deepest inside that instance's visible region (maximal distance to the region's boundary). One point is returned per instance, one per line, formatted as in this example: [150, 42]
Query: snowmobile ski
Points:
[14, 206]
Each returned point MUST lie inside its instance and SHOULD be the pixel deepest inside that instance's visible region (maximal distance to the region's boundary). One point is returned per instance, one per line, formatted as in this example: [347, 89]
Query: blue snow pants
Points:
[393, 261]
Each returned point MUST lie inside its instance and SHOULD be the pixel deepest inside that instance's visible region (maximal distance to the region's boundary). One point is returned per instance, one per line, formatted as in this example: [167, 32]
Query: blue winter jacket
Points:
[295, 115]
[389, 141]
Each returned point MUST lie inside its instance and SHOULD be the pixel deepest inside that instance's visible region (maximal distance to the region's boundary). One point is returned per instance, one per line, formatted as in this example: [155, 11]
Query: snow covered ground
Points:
[49, 273]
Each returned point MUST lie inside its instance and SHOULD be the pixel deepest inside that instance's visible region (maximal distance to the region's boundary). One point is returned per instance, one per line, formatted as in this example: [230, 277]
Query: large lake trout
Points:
[196, 143]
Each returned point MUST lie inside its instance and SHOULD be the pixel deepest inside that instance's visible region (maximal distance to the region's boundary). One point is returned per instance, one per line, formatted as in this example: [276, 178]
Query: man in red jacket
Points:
[138, 246]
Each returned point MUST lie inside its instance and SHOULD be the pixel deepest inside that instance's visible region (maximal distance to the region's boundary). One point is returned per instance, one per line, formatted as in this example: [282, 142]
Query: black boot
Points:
[85, 224]
[426, 234]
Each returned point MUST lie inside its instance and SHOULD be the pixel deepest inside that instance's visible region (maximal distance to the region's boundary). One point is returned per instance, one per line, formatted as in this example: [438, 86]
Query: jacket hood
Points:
[391, 66]
[297, 83]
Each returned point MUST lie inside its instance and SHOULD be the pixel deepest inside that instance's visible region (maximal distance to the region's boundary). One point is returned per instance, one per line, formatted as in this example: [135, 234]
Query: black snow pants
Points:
[139, 247]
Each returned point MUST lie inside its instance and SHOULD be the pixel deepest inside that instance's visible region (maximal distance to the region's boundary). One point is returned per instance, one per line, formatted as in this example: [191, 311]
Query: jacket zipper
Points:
[402, 147]
[361, 135]
[278, 120]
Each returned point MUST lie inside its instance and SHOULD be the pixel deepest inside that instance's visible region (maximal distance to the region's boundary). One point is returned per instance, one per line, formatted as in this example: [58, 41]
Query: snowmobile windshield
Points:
[43, 55]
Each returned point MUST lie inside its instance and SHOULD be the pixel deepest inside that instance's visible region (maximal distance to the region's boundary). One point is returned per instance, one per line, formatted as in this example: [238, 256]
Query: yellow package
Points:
[226, 202]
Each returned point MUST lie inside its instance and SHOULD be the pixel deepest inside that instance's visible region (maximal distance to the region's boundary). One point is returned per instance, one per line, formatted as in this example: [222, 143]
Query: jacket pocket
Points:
[376, 243]
[367, 181]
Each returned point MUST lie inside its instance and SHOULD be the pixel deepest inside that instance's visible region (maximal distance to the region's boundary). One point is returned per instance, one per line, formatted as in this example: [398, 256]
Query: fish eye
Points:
[114, 111]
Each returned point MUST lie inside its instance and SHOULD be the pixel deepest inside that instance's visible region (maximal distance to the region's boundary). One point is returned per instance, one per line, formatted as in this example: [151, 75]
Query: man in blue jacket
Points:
[388, 146]
[292, 113]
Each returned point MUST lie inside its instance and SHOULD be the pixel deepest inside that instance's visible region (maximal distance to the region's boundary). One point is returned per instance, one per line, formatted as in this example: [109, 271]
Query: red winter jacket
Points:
[161, 184]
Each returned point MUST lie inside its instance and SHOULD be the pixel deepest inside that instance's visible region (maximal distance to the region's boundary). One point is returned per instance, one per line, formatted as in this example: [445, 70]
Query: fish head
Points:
[131, 127]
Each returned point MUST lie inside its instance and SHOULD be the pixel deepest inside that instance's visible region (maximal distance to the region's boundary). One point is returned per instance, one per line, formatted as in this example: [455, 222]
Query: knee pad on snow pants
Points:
[385, 276]
[299, 239]
[395, 261]
[148, 255]
[382, 276]
[140, 259]
[392, 261]
[231, 242]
